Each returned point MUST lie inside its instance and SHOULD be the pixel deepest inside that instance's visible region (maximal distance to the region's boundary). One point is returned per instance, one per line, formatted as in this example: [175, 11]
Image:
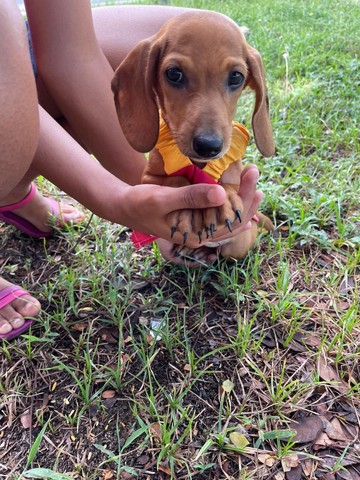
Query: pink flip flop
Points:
[8, 216]
[7, 295]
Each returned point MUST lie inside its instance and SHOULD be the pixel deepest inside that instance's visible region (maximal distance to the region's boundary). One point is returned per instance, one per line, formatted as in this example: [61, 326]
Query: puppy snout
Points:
[207, 145]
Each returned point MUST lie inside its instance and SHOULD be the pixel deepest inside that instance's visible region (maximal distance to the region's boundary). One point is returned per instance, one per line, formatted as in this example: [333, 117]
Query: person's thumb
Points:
[200, 196]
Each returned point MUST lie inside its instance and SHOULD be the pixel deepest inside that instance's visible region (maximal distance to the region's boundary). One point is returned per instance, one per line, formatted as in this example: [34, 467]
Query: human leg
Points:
[119, 28]
[19, 120]
[19, 134]
[19, 130]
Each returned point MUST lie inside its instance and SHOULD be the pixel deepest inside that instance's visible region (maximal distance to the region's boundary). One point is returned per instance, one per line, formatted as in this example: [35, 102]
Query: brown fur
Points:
[206, 47]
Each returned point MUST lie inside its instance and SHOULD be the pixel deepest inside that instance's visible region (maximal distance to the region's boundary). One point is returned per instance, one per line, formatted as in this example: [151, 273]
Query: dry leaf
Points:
[228, 386]
[156, 430]
[329, 476]
[289, 462]
[335, 431]
[127, 476]
[108, 394]
[26, 420]
[266, 459]
[238, 439]
[109, 335]
[257, 385]
[279, 476]
[322, 441]
[308, 467]
[343, 305]
[295, 473]
[354, 472]
[79, 327]
[328, 374]
[143, 459]
[107, 474]
[164, 469]
[347, 284]
[307, 428]
[124, 359]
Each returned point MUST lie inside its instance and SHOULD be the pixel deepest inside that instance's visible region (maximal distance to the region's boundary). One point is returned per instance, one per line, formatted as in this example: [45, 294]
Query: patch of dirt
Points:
[90, 418]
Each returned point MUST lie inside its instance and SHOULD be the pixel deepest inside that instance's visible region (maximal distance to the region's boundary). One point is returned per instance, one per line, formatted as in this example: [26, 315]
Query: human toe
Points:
[13, 315]
[71, 215]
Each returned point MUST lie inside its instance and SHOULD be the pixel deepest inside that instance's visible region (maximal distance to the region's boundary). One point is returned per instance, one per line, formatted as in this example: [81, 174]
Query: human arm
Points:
[77, 77]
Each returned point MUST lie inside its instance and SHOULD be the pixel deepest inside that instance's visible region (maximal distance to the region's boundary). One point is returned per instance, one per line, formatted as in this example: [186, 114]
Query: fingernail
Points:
[216, 195]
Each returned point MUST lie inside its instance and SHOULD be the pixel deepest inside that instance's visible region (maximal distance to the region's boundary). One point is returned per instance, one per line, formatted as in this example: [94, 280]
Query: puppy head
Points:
[194, 69]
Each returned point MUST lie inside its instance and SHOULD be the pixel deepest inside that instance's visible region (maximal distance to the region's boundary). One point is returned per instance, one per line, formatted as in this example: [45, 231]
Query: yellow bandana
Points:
[174, 160]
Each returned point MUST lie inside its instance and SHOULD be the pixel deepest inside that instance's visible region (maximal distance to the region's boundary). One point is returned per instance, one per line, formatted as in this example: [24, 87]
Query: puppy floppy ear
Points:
[261, 118]
[135, 99]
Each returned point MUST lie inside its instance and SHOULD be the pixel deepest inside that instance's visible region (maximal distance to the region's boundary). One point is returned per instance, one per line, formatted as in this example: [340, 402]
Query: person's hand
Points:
[146, 207]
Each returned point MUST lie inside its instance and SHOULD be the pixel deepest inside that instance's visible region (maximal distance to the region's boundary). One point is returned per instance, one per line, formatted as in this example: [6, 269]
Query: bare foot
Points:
[13, 315]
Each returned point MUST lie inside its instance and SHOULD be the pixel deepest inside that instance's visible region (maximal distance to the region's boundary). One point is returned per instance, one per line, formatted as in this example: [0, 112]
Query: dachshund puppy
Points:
[176, 97]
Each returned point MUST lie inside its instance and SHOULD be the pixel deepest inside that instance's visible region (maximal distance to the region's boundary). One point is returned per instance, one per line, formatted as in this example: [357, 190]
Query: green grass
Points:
[140, 369]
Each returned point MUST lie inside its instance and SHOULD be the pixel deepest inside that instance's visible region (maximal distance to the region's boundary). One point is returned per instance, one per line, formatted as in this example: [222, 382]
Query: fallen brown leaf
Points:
[108, 394]
[307, 428]
[289, 462]
[266, 459]
[354, 472]
[109, 335]
[327, 373]
[323, 441]
[308, 468]
[107, 474]
[155, 429]
[26, 420]
[79, 327]
[164, 469]
[143, 459]
[279, 476]
[295, 473]
[335, 431]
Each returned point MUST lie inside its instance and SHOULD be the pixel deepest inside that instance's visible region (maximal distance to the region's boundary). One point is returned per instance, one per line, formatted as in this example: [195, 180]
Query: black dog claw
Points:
[237, 215]
[185, 235]
[207, 232]
[212, 230]
[228, 224]
[200, 235]
[173, 230]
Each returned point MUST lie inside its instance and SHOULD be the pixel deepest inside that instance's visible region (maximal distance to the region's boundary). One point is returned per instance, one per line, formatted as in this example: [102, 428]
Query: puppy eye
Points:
[236, 79]
[175, 76]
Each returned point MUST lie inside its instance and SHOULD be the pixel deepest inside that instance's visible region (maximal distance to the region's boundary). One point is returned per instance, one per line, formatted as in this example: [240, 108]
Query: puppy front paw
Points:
[205, 222]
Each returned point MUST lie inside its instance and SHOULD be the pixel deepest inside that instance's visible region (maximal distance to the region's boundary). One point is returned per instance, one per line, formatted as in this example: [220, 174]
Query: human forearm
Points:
[78, 76]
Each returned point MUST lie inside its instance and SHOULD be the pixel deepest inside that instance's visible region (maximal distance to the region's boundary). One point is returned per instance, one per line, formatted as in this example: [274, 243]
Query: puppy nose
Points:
[207, 145]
